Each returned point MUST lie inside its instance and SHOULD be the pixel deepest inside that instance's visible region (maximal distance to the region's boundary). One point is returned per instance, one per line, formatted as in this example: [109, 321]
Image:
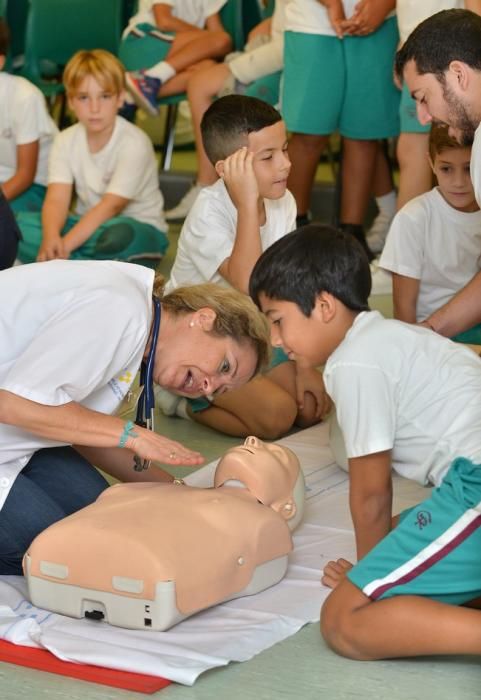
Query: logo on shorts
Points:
[423, 519]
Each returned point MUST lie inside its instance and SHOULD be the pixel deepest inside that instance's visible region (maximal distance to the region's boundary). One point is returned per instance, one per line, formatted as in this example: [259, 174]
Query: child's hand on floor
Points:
[240, 179]
[335, 572]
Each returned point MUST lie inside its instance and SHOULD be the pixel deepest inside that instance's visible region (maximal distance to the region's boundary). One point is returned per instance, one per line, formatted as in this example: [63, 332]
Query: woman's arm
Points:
[109, 206]
[74, 424]
[405, 297]
[27, 158]
[119, 463]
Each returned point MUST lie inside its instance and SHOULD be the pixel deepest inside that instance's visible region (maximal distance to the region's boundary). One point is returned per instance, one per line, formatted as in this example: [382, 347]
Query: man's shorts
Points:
[408, 116]
[144, 46]
[343, 85]
[435, 551]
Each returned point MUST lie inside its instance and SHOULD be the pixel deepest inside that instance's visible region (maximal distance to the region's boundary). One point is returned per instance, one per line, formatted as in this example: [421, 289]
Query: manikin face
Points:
[94, 106]
[445, 103]
[271, 162]
[191, 361]
[451, 168]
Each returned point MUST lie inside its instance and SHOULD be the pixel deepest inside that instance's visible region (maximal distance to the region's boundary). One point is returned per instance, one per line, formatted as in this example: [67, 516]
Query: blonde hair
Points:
[103, 66]
[236, 314]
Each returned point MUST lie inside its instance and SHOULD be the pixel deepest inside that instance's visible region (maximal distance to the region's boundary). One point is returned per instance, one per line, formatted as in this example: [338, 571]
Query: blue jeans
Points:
[56, 482]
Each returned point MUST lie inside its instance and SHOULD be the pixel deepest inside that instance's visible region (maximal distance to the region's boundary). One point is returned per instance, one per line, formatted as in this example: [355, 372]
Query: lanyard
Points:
[146, 405]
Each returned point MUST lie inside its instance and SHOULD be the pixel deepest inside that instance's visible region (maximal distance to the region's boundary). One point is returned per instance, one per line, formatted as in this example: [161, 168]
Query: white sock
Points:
[387, 204]
[163, 71]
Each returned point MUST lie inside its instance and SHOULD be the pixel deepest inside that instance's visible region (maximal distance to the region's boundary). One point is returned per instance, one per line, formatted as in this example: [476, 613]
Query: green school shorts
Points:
[435, 551]
[343, 85]
[407, 115]
[119, 238]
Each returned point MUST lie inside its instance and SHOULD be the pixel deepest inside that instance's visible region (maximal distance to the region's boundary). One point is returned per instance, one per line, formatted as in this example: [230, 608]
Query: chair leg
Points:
[169, 133]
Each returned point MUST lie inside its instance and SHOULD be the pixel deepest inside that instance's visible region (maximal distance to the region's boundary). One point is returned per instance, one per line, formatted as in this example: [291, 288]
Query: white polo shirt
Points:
[401, 387]
[71, 331]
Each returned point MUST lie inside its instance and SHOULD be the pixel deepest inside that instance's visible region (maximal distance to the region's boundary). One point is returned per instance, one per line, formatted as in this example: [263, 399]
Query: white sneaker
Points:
[179, 212]
[376, 236]
[170, 404]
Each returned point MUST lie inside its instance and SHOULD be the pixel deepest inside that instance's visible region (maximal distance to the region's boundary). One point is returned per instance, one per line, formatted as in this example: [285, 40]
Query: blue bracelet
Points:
[127, 432]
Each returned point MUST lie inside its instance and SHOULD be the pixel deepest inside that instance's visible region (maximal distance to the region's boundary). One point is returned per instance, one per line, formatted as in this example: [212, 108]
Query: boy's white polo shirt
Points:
[404, 388]
[23, 119]
[208, 234]
[72, 331]
[125, 166]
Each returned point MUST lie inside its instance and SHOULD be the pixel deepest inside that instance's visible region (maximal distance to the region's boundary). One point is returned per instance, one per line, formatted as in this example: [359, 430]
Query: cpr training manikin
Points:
[148, 555]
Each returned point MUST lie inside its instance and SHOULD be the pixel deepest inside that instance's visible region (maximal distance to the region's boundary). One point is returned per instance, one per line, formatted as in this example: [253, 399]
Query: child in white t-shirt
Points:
[434, 245]
[227, 229]
[110, 165]
[256, 72]
[26, 134]
[165, 41]
[406, 399]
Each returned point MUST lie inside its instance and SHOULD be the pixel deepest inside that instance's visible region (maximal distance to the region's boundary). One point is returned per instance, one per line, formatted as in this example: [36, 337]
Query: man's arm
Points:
[241, 183]
[463, 311]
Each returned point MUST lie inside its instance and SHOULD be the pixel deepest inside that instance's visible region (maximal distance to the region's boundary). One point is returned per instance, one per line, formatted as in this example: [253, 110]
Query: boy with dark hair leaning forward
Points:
[406, 399]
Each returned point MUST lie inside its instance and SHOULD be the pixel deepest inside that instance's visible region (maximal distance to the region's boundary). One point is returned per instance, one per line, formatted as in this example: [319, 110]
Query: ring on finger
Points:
[173, 455]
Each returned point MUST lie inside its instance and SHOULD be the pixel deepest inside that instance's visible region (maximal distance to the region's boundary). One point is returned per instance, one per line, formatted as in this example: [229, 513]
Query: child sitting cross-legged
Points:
[434, 244]
[230, 224]
[109, 165]
[406, 399]
[26, 135]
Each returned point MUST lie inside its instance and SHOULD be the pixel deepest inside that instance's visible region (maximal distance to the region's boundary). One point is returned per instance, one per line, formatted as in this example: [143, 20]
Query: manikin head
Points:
[269, 472]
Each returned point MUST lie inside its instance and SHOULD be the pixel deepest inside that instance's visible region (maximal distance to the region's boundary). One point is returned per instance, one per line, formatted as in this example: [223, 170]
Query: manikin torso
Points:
[150, 554]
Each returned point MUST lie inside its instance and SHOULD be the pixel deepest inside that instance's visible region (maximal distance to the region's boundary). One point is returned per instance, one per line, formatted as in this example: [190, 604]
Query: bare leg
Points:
[358, 167]
[382, 178]
[304, 152]
[202, 87]
[415, 176]
[402, 626]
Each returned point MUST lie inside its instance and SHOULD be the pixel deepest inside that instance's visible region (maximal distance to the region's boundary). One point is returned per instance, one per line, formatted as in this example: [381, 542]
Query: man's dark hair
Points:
[4, 37]
[311, 260]
[450, 35]
[229, 120]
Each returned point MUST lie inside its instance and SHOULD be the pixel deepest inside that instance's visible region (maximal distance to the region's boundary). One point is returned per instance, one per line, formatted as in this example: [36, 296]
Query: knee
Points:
[277, 419]
[338, 629]
[220, 43]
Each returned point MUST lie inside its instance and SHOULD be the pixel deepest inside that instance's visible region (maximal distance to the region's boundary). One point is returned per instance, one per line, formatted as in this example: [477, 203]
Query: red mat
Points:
[45, 661]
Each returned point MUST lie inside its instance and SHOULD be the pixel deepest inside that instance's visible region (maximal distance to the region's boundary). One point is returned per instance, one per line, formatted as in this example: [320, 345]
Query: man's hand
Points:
[240, 179]
[335, 572]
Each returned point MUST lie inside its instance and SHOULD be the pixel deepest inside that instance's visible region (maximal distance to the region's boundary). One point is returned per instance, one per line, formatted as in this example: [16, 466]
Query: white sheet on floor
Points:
[234, 631]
